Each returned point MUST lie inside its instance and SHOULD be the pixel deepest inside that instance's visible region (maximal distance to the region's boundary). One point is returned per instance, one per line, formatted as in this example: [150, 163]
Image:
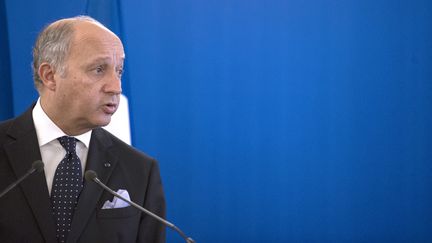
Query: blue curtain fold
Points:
[6, 102]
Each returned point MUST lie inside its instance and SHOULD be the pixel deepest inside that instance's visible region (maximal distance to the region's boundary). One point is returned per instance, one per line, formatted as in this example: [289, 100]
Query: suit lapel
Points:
[99, 156]
[22, 152]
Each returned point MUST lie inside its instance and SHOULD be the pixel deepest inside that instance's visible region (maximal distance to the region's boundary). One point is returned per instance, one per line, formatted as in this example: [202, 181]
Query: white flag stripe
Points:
[120, 124]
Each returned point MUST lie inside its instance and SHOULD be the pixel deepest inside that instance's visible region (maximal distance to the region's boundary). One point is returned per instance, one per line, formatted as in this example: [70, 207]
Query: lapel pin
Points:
[107, 165]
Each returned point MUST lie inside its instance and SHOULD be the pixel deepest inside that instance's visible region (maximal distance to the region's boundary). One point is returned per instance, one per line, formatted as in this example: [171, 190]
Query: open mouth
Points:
[110, 108]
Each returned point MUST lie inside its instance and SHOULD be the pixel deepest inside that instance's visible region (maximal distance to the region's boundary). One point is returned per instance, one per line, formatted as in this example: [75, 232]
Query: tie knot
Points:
[68, 143]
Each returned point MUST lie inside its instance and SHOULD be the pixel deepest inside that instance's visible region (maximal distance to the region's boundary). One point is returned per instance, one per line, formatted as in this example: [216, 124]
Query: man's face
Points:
[87, 94]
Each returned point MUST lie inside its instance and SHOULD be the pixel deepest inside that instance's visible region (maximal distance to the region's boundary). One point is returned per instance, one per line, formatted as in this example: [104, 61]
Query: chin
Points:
[103, 122]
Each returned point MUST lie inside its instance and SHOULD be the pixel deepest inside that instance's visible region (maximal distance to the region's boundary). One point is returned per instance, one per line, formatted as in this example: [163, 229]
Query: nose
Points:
[113, 84]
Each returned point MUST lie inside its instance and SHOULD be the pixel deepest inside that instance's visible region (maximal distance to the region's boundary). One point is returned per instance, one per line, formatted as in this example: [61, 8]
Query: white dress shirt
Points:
[52, 151]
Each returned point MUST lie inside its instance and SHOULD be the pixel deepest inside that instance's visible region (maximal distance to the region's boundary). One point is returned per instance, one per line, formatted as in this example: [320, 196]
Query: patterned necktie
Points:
[66, 188]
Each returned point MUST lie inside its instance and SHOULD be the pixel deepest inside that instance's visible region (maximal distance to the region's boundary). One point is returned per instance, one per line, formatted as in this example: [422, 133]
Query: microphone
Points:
[37, 166]
[90, 175]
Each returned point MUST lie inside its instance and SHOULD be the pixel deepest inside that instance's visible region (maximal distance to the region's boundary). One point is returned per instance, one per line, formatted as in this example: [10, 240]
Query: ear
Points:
[46, 73]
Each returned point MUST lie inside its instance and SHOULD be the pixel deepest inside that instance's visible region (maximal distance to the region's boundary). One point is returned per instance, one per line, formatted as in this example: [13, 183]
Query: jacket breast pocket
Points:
[117, 225]
[114, 213]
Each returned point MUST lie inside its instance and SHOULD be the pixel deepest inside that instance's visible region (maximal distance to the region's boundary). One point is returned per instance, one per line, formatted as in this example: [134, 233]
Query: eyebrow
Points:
[101, 59]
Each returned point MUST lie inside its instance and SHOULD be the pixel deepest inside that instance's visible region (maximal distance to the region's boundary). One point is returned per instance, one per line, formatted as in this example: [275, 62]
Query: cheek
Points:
[81, 87]
[82, 92]
[88, 97]
[74, 95]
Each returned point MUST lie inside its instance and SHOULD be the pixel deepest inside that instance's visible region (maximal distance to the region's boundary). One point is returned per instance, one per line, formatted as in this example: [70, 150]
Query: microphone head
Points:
[38, 166]
[90, 175]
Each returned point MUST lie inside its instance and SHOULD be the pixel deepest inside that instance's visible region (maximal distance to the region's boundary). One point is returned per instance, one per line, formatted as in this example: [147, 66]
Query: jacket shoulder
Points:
[123, 148]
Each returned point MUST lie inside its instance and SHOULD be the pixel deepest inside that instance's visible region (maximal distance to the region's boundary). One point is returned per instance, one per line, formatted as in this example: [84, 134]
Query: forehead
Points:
[93, 41]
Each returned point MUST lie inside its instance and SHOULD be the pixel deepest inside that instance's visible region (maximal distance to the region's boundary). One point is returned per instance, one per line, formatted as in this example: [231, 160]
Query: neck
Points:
[61, 121]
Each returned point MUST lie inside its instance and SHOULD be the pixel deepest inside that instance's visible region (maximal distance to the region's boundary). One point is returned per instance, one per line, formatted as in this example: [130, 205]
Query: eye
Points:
[99, 69]
[120, 72]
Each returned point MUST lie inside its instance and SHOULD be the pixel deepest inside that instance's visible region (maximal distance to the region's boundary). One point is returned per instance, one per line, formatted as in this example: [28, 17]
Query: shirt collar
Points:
[47, 130]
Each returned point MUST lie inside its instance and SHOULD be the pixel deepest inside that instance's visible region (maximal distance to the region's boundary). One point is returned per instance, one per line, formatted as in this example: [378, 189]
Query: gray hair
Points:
[53, 44]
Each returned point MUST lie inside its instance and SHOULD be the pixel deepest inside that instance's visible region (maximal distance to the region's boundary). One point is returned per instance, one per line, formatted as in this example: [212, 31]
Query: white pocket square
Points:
[117, 202]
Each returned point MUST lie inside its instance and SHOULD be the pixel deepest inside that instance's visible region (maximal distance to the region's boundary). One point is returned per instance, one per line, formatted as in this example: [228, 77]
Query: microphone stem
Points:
[165, 222]
[17, 182]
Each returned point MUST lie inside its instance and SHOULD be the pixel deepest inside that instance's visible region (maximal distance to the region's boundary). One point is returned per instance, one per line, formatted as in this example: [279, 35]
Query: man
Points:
[77, 71]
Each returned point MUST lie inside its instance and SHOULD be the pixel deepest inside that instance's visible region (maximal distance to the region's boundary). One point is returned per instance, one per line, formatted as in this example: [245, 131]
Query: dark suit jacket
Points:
[25, 212]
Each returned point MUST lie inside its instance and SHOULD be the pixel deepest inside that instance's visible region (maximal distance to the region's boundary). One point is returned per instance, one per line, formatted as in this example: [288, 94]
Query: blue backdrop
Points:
[273, 121]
